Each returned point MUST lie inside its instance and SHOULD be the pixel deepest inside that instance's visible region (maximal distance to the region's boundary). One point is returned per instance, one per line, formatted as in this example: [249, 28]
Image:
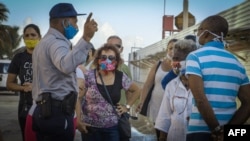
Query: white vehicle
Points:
[4, 65]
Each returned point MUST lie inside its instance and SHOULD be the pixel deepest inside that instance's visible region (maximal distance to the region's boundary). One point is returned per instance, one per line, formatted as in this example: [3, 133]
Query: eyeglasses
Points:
[110, 57]
[117, 45]
[180, 100]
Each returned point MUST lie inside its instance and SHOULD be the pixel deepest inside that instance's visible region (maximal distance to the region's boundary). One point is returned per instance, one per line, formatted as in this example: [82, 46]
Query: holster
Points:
[68, 103]
[45, 105]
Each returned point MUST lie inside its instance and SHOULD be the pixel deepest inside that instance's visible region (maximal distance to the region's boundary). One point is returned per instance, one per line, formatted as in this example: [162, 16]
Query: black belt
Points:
[56, 103]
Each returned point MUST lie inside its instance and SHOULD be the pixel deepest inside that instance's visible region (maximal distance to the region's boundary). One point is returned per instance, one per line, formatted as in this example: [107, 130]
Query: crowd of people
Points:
[64, 88]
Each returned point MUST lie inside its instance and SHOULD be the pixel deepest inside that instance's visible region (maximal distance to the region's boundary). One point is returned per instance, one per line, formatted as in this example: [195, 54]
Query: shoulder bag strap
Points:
[157, 66]
[108, 95]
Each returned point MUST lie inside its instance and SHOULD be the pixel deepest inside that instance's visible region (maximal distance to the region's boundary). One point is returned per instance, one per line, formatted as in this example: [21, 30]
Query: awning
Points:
[238, 43]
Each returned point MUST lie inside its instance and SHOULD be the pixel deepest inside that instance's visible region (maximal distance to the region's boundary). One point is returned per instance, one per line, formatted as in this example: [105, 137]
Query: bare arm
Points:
[82, 90]
[197, 88]
[135, 93]
[12, 85]
[243, 113]
[148, 84]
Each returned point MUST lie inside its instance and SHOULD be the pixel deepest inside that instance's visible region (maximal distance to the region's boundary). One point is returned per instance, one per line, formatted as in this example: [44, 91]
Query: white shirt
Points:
[79, 73]
[174, 110]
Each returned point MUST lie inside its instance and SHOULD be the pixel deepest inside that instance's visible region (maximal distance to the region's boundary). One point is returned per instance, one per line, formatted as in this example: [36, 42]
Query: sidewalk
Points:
[8, 118]
[142, 129]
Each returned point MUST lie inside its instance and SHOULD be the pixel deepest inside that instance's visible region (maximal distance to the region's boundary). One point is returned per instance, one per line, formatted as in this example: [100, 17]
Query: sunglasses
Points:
[117, 45]
[110, 57]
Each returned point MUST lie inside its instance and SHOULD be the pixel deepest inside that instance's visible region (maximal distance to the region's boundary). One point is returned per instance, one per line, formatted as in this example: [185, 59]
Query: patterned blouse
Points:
[96, 110]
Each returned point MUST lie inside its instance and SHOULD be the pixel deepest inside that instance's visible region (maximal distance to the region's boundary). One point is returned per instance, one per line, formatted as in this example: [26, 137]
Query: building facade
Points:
[238, 42]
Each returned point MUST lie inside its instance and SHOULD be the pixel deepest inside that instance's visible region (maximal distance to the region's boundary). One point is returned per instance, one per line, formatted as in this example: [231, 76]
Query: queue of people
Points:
[65, 88]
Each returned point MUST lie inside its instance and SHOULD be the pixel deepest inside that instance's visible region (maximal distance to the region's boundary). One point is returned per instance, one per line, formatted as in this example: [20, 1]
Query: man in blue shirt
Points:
[216, 78]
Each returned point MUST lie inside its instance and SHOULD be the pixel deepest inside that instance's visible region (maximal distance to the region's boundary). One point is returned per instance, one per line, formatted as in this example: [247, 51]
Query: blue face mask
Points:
[70, 31]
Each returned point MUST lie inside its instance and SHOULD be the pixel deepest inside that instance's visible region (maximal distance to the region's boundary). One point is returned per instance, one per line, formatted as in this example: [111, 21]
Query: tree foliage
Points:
[9, 37]
[3, 13]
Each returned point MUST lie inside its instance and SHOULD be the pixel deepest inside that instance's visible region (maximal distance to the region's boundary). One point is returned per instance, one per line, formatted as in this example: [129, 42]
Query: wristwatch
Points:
[217, 130]
[127, 106]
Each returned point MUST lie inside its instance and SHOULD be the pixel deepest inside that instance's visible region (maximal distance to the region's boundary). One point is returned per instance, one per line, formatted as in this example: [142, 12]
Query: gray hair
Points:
[184, 46]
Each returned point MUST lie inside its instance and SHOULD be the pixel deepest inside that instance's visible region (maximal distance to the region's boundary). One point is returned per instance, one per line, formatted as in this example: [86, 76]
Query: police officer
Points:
[54, 78]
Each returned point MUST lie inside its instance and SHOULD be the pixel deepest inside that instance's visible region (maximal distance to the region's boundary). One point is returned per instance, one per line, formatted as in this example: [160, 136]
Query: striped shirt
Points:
[222, 75]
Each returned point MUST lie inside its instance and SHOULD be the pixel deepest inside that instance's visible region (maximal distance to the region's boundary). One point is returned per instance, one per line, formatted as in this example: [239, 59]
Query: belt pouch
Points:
[68, 103]
[46, 110]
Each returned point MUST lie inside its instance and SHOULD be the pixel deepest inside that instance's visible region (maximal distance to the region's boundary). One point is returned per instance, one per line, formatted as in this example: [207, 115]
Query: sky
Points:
[137, 22]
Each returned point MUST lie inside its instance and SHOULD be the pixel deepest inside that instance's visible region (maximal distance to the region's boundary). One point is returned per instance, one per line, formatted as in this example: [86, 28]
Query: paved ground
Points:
[8, 118]
[142, 129]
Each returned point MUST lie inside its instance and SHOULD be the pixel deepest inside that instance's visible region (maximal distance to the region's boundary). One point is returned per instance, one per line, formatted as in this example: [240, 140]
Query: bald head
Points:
[116, 41]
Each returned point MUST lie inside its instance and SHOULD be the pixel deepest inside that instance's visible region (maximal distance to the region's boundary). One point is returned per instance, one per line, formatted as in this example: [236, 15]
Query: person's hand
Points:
[90, 27]
[218, 137]
[138, 108]
[27, 87]
[81, 126]
[82, 67]
[121, 109]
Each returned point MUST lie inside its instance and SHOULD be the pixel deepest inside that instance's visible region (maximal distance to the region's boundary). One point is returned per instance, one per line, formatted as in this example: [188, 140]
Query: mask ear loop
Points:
[222, 35]
[222, 39]
[216, 36]
[64, 22]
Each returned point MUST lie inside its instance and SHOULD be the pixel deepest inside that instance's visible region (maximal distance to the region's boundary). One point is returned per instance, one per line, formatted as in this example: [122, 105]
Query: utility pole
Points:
[185, 14]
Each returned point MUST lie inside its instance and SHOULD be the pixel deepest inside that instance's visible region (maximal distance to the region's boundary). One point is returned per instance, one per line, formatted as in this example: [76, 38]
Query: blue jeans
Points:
[201, 136]
[102, 134]
[58, 127]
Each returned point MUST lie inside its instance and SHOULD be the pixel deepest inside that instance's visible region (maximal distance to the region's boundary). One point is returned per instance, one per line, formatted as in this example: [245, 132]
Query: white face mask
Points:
[216, 38]
[179, 67]
[169, 57]
[198, 38]
[183, 65]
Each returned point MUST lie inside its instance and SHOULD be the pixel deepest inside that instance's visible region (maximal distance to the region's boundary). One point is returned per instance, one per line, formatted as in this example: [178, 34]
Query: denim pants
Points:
[199, 137]
[102, 134]
[58, 127]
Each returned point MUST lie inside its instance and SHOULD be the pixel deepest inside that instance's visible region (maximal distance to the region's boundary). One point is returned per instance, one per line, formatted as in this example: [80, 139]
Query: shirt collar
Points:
[58, 35]
[214, 44]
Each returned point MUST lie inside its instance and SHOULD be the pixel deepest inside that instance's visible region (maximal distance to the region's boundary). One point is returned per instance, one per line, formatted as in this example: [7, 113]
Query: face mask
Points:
[168, 57]
[31, 44]
[178, 66]
[217, 37]
[198, 45]
[197, 42]
[70, 31]
[107, 65]
[182, 66]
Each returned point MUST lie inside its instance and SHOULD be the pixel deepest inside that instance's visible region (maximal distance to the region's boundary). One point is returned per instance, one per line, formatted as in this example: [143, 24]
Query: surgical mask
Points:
[178, 66]
[169, 57]
[70, 31]
[31, 44]
[198, 45]
[217, 37]
[107, 65]
[182, 66]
